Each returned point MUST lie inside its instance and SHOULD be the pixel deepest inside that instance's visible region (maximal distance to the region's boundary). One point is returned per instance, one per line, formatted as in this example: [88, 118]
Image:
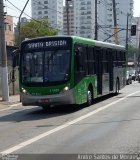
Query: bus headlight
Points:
[24, 91]
[66, 89]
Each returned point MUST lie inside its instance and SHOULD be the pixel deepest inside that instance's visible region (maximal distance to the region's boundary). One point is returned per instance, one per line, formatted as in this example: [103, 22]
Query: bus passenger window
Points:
[77, 59]
[80, 57]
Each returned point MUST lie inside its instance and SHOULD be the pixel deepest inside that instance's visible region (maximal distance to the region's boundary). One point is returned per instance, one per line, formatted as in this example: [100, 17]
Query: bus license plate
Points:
[43, 100]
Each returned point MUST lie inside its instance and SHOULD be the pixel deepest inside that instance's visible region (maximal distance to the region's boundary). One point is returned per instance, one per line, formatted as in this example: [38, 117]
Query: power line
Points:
[40, 22]
[61, 12]
[102, 26]
[57, 24]
[18, 9]
[28, 15]
[104, 31]
[105, 4]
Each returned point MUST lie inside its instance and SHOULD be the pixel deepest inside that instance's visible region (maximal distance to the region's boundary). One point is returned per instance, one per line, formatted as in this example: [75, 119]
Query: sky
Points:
[11, 10]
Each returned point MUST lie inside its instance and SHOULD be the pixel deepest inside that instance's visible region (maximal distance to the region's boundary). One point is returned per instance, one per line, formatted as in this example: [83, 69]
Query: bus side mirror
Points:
[15, 58]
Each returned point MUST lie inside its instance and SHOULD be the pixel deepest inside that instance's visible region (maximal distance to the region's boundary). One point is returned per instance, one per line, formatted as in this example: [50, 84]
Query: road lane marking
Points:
[10, 107]
[45, 134]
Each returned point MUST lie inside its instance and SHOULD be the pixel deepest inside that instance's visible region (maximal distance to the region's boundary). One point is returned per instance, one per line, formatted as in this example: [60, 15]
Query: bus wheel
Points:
[89, 97]
[46, 108]
[117, 87]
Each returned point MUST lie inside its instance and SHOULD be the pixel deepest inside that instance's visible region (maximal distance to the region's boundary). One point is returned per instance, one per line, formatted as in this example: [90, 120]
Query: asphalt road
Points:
[110, 125]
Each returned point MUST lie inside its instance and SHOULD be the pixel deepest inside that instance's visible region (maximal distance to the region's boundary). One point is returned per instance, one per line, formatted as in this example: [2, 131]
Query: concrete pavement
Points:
[13, 100]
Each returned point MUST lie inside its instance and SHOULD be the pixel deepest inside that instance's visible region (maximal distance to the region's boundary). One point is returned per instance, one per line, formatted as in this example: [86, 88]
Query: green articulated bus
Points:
[62, 70]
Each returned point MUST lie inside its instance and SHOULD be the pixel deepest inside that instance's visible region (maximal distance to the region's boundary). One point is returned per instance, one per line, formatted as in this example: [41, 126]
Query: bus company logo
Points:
[56, 43]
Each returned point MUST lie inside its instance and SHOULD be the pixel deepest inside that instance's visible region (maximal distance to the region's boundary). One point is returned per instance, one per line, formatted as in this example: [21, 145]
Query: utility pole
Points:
[126, 46]
[127, 33]
[96, 23]
[139, 55]
[19, 21]
[3, 58]
[67, 10]
[115, 22]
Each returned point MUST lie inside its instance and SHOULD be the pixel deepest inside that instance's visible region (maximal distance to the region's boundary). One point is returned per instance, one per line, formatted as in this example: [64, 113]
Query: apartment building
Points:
[9, 35]
[84, 21]
[106, 19]
[24, 20]
[52, 9]
[81, 15]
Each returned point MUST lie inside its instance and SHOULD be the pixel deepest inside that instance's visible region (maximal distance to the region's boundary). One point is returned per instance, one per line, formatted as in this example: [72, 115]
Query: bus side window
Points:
[117, 53]
[80, 56]
[80, 62]
[105, 61]
[91, 60]
[123, 57]
[77, 59]
[114, 58]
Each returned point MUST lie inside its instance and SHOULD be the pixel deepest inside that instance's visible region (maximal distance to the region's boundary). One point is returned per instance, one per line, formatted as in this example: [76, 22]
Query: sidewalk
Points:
[13, 100]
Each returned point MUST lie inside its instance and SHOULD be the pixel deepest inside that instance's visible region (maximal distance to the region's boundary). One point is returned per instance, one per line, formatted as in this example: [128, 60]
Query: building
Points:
[81, 15]
[84, 18]
[106, 19]
[9, 34]
[70, 12]
[24, 20]
[52, 9]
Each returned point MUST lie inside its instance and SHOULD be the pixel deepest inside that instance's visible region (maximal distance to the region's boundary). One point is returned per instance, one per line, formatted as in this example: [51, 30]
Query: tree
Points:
[132, 50]
[35, 29]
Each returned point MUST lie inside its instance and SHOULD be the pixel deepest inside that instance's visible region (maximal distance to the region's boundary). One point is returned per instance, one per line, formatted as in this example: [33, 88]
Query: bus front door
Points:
[98, 60]
[110, 70]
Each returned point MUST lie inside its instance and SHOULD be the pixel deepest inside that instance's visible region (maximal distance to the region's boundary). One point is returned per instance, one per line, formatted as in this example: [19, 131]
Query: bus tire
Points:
[46, 108]
[89, 97]
[117, 87]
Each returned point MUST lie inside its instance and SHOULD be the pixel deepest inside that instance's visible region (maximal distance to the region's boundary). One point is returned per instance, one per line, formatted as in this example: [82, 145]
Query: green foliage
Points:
[132, 50]
[35, 29]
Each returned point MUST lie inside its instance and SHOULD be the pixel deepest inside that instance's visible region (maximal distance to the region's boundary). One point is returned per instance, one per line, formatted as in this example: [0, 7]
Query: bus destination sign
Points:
[48, 44]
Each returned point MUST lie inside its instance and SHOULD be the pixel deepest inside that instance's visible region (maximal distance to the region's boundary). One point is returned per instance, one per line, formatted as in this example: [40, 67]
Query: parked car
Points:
[128, 78]
[138, 76]
[133, 74]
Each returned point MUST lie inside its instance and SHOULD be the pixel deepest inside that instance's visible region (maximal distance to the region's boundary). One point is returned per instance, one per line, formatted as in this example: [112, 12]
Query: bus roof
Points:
[97, 43]
[81, 40]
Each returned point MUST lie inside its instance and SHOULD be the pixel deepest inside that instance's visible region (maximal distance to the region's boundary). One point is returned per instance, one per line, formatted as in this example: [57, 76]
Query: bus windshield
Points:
[45, 66]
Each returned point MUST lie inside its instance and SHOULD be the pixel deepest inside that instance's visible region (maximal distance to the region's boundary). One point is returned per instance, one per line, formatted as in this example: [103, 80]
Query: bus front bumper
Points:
[58, 99]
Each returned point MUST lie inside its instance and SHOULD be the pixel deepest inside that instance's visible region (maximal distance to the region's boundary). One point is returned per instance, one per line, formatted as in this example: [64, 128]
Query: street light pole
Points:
[96, 23]
[127, 33]
[67, 11]
[19, 21]
[3, 58]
